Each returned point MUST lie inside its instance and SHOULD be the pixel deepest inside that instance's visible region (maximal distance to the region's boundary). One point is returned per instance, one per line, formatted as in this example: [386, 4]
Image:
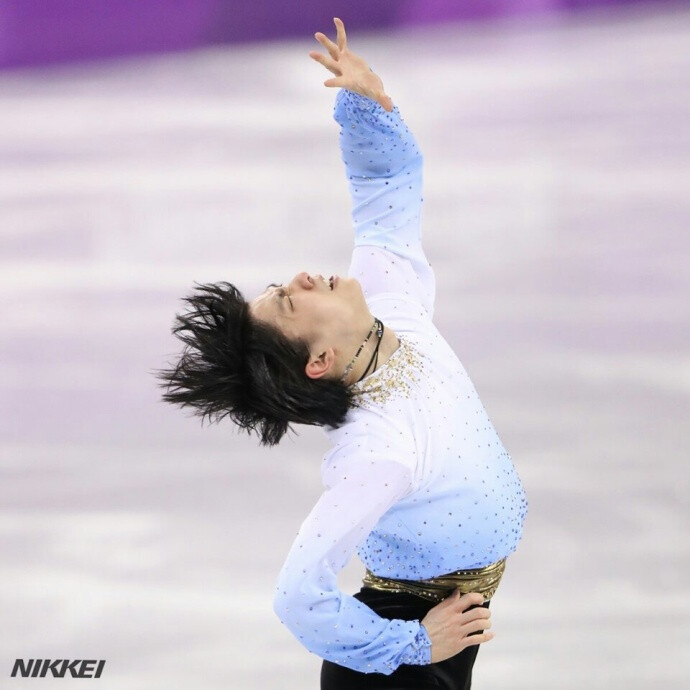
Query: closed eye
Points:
[282, 292]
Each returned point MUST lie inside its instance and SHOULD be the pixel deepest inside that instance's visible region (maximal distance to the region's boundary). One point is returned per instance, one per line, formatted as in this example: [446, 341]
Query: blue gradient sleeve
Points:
[383, 165]
[361, 486]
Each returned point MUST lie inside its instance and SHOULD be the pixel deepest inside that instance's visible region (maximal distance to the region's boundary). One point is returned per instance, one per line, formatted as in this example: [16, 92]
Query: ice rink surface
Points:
[556, 213]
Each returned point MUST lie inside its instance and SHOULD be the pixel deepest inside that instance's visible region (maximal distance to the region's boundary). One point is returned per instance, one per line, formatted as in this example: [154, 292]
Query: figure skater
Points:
[416, 482]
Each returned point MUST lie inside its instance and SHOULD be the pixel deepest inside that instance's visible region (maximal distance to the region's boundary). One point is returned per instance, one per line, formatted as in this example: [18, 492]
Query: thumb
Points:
[381, 98]
[385, 102]
[332, 82]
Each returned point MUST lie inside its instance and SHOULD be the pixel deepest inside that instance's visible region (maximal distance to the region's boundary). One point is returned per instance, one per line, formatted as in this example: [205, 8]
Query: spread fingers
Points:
[327, 62]
[326, 42]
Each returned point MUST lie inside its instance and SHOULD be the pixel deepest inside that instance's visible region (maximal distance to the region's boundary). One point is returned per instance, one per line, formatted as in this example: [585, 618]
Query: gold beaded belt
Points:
[483, 580]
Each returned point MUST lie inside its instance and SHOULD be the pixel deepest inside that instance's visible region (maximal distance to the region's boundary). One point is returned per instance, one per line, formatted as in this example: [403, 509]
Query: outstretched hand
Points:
[352, 71]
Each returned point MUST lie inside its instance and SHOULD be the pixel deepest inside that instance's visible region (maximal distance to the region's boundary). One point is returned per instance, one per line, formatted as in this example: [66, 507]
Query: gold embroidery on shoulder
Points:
[404, 367]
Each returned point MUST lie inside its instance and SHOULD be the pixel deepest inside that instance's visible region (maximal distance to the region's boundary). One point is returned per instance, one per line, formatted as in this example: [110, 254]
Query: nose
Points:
[304, 280]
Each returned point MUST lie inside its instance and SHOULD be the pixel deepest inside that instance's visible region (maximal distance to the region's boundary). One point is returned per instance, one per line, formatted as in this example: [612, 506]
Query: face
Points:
[329, 319]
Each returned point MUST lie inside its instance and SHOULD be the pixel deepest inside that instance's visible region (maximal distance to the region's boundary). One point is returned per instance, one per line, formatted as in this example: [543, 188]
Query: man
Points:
[417, 481]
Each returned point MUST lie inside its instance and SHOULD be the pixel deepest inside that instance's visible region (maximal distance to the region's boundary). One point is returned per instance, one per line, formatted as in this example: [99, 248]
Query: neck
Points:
[389, 344]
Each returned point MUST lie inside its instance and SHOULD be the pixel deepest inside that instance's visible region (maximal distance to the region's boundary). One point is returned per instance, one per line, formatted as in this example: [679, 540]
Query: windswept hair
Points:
[237, 366]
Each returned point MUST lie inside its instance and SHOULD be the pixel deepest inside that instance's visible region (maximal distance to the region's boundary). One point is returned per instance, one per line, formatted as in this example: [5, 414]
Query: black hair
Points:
[237, 366]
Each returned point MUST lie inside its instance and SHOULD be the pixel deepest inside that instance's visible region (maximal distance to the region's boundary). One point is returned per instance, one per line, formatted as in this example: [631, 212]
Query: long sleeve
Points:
[361, 485]
[384, 169]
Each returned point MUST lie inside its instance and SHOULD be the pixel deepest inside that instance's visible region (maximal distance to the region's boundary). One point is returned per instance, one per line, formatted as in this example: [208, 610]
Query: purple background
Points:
[37, 32]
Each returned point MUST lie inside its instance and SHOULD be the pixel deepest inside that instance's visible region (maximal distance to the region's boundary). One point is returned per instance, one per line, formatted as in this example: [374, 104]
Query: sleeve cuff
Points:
[418, 652]
[361, 102]
[353, 107]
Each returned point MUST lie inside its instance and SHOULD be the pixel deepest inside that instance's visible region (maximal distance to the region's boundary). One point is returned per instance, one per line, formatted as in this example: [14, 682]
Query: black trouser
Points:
[452, 674]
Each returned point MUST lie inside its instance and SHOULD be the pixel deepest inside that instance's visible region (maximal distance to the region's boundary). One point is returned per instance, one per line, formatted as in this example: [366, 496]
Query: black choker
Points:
[379, 332]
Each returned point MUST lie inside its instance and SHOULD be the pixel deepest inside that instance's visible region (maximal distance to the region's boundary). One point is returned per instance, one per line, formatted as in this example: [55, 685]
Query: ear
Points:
[317, 367]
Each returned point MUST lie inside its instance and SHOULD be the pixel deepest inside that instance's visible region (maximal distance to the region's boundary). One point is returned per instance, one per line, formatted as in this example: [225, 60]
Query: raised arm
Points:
[384, 170]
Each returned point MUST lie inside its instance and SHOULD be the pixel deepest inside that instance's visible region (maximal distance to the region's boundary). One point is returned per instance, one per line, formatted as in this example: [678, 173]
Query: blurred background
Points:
[145, 146]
